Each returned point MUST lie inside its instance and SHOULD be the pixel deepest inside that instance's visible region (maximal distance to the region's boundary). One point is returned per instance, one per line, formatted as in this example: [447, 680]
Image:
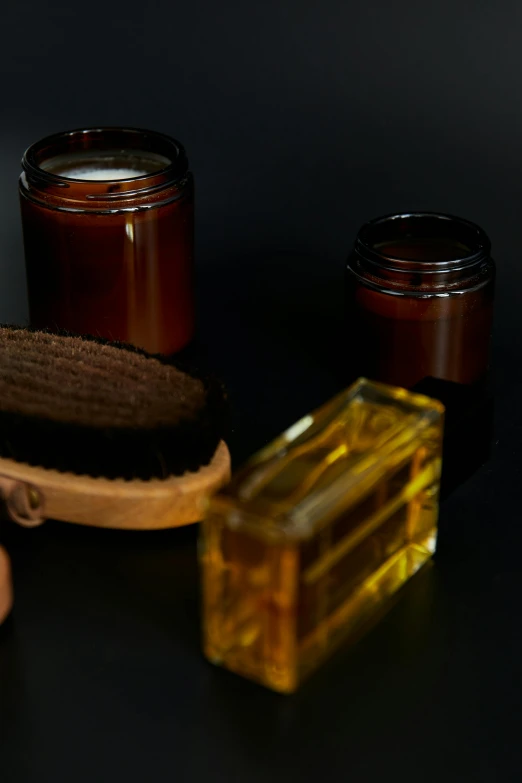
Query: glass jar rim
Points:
[105, 138]
[422, 226]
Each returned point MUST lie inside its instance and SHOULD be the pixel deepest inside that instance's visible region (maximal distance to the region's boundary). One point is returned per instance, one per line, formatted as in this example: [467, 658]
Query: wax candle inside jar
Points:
[108, 234]
[107, 167]
[103, 175]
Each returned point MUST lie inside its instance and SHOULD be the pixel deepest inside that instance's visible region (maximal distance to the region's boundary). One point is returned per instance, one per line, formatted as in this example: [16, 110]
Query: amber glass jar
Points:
[108, 233]
[420, 290]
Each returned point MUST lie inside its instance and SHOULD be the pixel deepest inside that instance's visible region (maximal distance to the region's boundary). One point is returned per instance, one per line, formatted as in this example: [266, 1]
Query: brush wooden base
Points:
[128, 505]
[6, 588]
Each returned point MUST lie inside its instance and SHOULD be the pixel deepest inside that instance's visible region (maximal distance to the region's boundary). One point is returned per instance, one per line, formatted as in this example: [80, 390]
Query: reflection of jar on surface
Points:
[420, 291]
[108, 233]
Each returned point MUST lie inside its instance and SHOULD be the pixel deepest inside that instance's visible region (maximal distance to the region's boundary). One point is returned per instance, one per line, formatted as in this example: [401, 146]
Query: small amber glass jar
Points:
[108, 233]
[420, 289]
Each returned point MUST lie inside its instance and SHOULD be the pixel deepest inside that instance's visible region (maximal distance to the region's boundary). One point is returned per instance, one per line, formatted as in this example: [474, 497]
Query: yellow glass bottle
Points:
[310, 540]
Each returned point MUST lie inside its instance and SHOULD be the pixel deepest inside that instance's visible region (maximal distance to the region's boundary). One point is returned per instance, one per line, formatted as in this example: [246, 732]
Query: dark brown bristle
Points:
[88, 406]
[70, 379]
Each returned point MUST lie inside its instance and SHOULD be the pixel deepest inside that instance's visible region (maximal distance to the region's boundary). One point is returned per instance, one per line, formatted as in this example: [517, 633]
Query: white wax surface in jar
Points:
[105, 166]
[108, 174]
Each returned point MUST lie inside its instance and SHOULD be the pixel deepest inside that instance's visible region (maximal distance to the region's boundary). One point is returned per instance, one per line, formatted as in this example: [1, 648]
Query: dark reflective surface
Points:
[101, 670]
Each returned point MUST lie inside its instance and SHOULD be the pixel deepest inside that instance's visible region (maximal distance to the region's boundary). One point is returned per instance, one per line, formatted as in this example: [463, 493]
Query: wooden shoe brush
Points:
[104, 434]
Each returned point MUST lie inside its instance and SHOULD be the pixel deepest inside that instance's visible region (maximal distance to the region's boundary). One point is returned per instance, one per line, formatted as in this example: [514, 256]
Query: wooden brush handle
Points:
[32, 494]
[6, 588]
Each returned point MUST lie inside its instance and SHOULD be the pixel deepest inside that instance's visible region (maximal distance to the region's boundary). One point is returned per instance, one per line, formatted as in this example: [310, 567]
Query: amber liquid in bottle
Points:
[317, 533]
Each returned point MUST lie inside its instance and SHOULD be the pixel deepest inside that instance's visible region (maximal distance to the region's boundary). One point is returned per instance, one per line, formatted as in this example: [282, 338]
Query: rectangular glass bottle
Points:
[318, 531]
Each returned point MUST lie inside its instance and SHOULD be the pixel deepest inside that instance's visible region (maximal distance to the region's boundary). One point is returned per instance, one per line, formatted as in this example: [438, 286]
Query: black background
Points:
[301, 120]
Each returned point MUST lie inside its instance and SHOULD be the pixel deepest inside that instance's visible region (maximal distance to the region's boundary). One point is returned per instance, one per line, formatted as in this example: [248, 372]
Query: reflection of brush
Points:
[105, 434]
[6, 590]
